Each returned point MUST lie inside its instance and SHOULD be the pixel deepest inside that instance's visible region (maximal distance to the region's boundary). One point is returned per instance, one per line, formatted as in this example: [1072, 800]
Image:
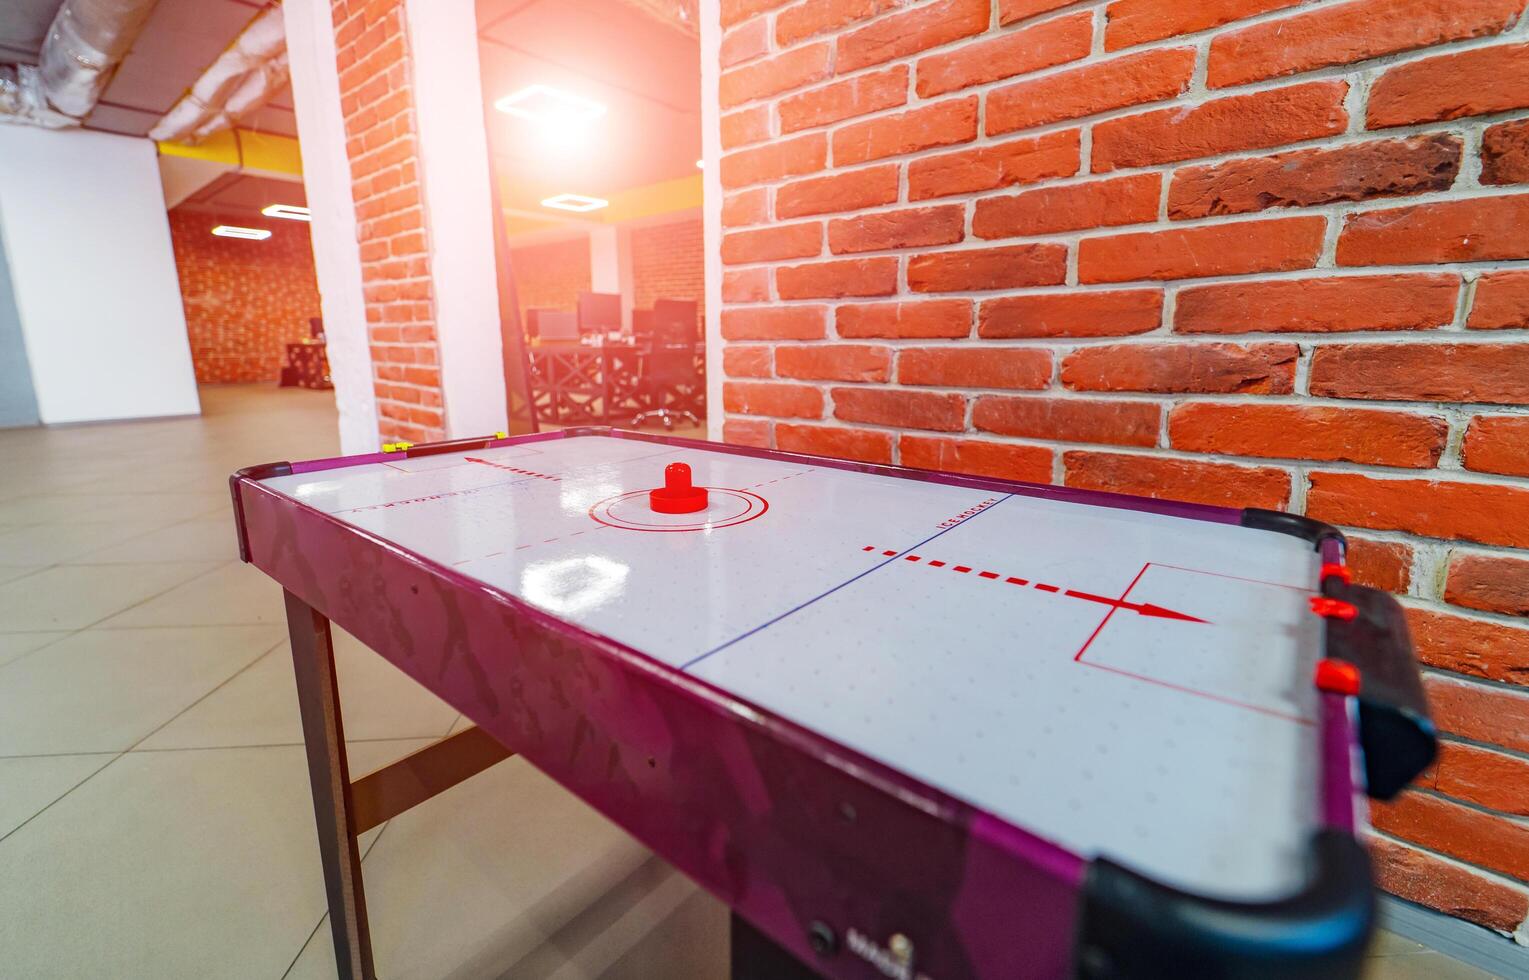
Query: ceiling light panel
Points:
[292, 212]
[574, 202]
[544, 103]
[235, 231]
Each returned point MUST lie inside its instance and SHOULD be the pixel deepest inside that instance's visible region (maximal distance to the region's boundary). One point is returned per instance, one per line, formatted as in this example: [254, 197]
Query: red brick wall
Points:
[1266, 253]
[372, 54]
[668, 262]
[245, 300]
[550, 275]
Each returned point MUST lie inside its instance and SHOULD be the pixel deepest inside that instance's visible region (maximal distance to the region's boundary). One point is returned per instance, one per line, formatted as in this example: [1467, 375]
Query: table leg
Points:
[318, 698]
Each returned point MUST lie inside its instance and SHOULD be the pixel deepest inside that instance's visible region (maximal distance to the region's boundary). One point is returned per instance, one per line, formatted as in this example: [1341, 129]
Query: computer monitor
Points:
[552, 324]
[599, 312]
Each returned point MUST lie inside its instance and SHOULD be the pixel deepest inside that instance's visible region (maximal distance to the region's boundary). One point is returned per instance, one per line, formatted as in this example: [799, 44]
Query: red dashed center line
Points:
[513, 469]
[782, 479]
[533, 544]
[1142, 608]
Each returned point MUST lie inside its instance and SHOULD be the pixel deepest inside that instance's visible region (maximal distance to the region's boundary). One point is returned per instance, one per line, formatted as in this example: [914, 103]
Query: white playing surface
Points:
[1185, 749]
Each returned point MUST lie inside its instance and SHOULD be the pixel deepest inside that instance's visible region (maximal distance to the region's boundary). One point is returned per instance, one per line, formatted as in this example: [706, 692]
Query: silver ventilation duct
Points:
[86, 42]
[241, 80]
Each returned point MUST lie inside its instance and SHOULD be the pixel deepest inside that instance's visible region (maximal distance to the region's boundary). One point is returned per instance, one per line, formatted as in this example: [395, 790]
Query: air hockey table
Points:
[905, 724]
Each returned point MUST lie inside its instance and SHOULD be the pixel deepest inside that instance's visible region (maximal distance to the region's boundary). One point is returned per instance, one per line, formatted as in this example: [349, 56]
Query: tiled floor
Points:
[154, 810]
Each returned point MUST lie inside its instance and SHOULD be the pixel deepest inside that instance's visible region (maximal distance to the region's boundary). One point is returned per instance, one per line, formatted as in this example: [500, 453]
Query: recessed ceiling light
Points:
[700, 164]
[234, 231]
[547, 104]
[293, 212]
[574, 202]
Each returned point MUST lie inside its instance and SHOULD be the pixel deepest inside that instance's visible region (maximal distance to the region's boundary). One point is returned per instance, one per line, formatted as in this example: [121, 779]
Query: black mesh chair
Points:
[642, 327]
[679, 309]
[669, 365]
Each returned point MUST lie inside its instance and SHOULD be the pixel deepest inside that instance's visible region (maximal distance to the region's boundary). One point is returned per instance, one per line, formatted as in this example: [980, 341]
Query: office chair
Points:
[669, 365]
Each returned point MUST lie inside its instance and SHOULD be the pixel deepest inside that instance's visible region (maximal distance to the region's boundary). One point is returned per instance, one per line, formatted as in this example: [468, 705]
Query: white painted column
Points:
[454, 177]
[604, 260]
[628, 274]
[605, 266]
[87, 243]
[336, 255]
[711, 207]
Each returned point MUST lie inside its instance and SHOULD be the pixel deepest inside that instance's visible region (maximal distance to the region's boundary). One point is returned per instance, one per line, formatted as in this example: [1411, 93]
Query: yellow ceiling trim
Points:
[664, 197]
[681, 194]
[243, 148]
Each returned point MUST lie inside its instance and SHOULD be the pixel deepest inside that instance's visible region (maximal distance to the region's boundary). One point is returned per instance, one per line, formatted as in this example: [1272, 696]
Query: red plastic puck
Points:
[1333, 608]
[678, 495]
[1337, 677]
[1331, 569]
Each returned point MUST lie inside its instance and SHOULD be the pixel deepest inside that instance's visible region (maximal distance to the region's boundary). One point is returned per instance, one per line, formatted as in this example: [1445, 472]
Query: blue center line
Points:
[823, 595]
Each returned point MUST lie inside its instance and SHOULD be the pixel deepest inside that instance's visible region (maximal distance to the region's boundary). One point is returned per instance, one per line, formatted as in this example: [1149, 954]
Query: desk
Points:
[903, 723]
[307, 366]
[583, 384]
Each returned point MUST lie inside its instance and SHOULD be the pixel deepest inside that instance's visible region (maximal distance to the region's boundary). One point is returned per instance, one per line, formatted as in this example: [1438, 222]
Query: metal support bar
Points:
[343, 809]
[382, 795]
[318, 698]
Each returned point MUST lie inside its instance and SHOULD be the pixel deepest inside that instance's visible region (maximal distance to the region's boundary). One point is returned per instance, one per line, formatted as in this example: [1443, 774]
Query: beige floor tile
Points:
[178, 478]
[10, 573]
[232, 594]
[259, 707]
[103, 690]
[32, 782]
[14, 645]
[49, 544]
[168, 865]
[22, 480]
[656, 924]
[75, 596]
[65, 508]
[199, 540]
[547, 888]
[1427, 965]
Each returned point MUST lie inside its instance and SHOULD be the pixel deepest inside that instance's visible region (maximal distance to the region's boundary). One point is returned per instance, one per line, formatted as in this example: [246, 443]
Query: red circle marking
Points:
[609, 520]
[628, 522]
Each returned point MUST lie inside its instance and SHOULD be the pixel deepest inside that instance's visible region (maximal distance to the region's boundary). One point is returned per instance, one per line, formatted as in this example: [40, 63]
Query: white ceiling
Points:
[23, 25]
[646, 71]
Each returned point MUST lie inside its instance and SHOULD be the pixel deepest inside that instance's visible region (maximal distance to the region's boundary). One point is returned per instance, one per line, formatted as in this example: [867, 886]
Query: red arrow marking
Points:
[1140, 608]
[1144, 608]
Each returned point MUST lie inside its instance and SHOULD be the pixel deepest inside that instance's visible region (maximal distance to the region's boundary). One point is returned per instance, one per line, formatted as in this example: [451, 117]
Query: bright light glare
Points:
[560, 136]
[574, 202]
[543, 103]
[572, 585]
[700, 164]
[292, 212]
[234, 231]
